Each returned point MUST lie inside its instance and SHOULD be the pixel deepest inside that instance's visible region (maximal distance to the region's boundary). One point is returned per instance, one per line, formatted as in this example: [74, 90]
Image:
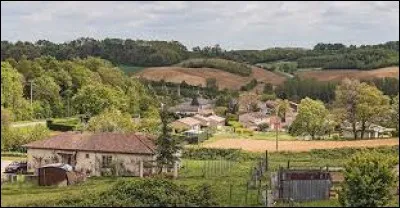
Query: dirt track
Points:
[296, 146]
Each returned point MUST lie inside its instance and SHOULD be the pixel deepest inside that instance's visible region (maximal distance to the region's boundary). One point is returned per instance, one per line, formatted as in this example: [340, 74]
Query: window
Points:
[87, 156]
[106, 161]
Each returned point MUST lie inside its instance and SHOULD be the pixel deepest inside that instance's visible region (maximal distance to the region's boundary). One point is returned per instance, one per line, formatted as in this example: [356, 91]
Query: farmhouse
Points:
[216, 121]
[194, 106]
[187, 123]
[95, 154]
[252, 120]
[371, 131]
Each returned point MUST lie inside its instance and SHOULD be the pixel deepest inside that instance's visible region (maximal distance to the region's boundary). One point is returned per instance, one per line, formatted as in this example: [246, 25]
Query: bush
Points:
[148, 192]
[16, 137]
[226, 65]
[60, 126]
[369, 180]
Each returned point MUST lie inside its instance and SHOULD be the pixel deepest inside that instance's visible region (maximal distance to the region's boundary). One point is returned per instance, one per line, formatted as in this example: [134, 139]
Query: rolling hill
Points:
[198, 76]
[337, 75]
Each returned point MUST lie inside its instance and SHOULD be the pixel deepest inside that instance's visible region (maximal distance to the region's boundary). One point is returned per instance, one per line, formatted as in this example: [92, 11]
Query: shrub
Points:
[16, 137]
[148, 192]
[226, 65]
[369, 179]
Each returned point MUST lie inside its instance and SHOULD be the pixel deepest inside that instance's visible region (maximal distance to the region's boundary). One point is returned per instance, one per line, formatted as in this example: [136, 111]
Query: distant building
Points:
[194, 106]
[184, 124]
[372, 131]
[253, 120]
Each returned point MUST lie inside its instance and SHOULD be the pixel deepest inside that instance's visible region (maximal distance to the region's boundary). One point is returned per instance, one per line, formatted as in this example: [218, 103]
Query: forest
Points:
[47, 88]
[164, 53]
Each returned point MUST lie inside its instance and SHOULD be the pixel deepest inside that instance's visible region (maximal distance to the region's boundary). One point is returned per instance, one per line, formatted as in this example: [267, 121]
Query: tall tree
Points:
[371, 106]
[346, 99]
[311, 118]
[167, 146]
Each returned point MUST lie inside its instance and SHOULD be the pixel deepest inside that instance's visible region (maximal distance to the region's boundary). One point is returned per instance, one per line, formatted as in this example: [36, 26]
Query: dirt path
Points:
[296, 146]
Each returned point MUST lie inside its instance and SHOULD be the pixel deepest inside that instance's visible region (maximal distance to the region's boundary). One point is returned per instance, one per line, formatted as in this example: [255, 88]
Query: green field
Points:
[129, 70]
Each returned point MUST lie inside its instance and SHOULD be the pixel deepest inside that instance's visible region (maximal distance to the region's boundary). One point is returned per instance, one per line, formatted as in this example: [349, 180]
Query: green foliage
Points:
[149, 192]
[15, 137]
[111, 120]
[249, 86]
[167, 146]
[296, 89]
[310, 120]
[369, 180]
[265, 97]
[210, 154]
[92, 99]
[225, 65]
[263, 127]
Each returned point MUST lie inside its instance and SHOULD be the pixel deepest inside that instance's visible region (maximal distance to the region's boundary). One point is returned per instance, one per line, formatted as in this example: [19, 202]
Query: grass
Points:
[131, 69]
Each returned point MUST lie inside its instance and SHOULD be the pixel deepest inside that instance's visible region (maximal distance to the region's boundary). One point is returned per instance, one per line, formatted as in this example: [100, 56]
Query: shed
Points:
[56, 174]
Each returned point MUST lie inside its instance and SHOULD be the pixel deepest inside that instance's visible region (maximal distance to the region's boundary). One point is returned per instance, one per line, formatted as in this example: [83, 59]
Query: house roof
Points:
[132, 143]
[216, 118]
[188, 121]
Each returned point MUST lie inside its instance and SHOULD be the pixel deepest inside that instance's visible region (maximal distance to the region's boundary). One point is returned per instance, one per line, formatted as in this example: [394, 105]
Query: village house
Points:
[253, 120]
[372, 131]
[216, 121]
[184, 124]
[194, 106]
[95, 153]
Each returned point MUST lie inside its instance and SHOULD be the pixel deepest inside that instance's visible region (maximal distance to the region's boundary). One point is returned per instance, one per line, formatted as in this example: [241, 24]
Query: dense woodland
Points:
[68, 88]
[162, 53]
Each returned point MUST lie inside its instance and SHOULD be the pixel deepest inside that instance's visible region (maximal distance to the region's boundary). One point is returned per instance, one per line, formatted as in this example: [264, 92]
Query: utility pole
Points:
[276, 128]
[31, 81]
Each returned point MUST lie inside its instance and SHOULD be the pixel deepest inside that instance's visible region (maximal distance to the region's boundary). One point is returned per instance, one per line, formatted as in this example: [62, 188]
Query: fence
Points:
[208, 168]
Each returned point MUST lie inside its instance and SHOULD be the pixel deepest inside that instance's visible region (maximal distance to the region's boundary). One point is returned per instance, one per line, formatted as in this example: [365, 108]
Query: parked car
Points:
[16, 167]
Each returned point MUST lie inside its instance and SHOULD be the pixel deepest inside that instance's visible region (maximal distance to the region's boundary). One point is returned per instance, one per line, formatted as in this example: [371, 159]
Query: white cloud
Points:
[234, 25]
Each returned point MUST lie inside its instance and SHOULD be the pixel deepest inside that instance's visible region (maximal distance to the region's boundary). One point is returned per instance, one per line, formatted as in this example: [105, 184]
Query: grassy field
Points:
[129, 70]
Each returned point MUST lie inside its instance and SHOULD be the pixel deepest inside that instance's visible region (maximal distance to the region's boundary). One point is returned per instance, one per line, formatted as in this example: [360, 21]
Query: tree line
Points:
[162, 53]
[296, 88]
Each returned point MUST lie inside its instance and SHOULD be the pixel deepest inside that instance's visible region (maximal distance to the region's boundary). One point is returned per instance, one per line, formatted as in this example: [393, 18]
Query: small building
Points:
[58, 174]
[372, 131]
[187, 123]
[252, 120]
[301, 185]
[216, 121]
[194, 106]
[205, 121]
[95, 154]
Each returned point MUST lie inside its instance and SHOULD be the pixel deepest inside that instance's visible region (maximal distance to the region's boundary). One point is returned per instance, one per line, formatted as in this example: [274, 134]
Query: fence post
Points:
[220, 166]
[266, 160]
[288, 164]
[230, 193]
[247, 191]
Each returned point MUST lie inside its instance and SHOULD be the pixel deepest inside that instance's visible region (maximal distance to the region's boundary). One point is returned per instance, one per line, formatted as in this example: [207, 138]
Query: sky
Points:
[233, 25]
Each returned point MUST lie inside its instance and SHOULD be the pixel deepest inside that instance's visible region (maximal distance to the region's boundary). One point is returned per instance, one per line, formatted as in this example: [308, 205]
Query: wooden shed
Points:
[56, 174]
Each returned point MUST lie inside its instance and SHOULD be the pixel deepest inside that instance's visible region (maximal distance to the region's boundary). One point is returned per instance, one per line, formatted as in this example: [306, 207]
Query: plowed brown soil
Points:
[296, 146]
[198, 76]
[337, 75]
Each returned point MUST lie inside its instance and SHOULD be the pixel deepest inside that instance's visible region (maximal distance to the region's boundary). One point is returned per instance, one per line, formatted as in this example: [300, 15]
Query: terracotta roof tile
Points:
[102, 142]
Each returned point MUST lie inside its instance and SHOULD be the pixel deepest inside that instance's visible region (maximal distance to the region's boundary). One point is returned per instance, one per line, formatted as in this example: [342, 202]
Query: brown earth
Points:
[296, 146]
[337, 75]
[197, 76]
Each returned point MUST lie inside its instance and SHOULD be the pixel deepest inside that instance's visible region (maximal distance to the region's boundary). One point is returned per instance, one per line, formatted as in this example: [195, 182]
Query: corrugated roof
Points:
[189, 121]
[102, 142]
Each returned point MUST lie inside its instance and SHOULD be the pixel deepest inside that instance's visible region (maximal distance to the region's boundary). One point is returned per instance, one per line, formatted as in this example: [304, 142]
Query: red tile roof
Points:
[131, 143]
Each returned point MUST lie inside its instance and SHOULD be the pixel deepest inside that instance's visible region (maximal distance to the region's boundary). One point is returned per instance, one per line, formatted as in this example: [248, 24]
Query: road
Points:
[296, 146]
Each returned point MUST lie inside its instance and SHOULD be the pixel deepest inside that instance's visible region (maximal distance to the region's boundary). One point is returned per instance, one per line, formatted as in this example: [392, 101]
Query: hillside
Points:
[339, 74]
[197, 76]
